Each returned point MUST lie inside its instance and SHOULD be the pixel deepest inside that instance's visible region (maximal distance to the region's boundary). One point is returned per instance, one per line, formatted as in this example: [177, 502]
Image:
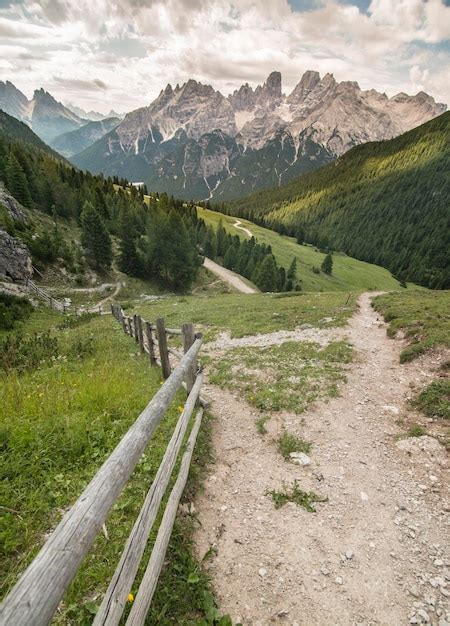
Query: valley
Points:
[224, 340]
[348, 273]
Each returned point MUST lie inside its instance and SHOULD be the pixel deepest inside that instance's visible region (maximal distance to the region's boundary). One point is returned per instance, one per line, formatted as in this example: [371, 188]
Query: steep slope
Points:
[45, 115]
[12, 130]
[78, 140]
[50, 118]
[196, 143]
[385, 202]
[13, 101]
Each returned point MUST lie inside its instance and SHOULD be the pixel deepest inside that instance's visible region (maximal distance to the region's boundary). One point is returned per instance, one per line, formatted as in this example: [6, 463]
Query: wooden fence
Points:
[37, 594]
[53, 303]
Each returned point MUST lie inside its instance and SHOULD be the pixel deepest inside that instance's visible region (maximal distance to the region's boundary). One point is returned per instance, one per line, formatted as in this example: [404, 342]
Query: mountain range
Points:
[94, 116]
[43, 113]
[194, 142]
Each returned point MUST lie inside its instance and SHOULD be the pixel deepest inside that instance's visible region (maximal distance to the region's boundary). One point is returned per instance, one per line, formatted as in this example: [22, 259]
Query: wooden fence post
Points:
[123, 319]
[130, 327]
[141, 334]
[151, 347]
[188, 339]
[162, 343]
[113, 310]
[136, 327]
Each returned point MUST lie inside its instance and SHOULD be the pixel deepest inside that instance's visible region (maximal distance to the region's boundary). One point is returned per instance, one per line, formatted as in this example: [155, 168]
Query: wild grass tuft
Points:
[293, 493]
[261, 424]
[416, 430]
[434, 400]
[288, 443]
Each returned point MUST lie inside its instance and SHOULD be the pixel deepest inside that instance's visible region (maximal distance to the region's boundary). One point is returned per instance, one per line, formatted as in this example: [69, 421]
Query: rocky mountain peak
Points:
[243, 99]
[270, 92]
[273, 84]
[308, 82]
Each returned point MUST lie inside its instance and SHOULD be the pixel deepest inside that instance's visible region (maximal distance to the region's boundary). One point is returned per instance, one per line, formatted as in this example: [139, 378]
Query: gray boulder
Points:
[14, 209]
[15, 258]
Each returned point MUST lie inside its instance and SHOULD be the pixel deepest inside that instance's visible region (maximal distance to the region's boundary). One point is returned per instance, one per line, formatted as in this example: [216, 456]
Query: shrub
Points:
[12, 310]
[17, 353]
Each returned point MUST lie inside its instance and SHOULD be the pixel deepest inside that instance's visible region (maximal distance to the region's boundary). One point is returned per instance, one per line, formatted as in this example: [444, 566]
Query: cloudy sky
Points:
[105, 54]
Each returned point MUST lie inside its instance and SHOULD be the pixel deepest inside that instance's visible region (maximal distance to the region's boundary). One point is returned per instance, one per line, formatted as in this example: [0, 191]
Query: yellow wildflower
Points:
[180, 409]
[130, 597]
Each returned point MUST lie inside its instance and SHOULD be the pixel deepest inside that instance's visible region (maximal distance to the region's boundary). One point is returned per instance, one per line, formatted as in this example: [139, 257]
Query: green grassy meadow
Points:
[422, 315]
[249, 314]
[60, 421]
[348, 274]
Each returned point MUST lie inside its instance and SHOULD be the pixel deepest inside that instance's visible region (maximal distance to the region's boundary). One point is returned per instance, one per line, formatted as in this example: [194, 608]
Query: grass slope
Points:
[385, 202]
[348, 274]
[423, 316]
[59, 422]
[249, 314]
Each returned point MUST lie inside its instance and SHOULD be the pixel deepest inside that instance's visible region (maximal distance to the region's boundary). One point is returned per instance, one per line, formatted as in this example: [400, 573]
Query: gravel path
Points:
[238, 223]
[375, 552]
[229, 277]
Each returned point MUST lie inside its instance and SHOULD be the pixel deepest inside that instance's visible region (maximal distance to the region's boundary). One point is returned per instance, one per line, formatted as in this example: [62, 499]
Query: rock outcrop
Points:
[14, 209]
[15, 258]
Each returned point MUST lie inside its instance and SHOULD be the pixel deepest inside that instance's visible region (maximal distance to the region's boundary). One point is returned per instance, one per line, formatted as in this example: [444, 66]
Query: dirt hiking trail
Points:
[229, 277]
[374, 554]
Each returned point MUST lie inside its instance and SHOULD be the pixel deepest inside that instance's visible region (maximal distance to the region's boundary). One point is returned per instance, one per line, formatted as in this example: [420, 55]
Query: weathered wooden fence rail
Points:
[37, 594]
[52, 302]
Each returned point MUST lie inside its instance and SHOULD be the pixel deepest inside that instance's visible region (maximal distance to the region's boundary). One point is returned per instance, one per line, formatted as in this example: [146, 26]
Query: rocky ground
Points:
[376, 551]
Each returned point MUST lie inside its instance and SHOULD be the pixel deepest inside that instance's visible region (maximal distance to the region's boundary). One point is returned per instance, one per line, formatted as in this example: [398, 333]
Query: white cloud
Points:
[136, 47]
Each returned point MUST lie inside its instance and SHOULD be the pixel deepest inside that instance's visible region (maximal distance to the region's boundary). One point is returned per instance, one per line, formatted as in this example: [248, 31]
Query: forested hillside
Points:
[116, 225]
[384, 202]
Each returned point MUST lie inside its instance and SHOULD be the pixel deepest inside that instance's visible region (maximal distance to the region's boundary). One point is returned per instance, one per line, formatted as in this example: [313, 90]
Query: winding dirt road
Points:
[375, 552]
[238, 223]
[229, 277]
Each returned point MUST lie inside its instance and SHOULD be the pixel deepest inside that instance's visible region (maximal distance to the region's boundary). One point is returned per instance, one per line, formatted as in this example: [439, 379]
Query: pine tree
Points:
[221, 236]
[183, 259]
[95, 238]
[292, 271]
[327, 265]
[17, 181]
[129, 261]
[266, 274]
[282, 279]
